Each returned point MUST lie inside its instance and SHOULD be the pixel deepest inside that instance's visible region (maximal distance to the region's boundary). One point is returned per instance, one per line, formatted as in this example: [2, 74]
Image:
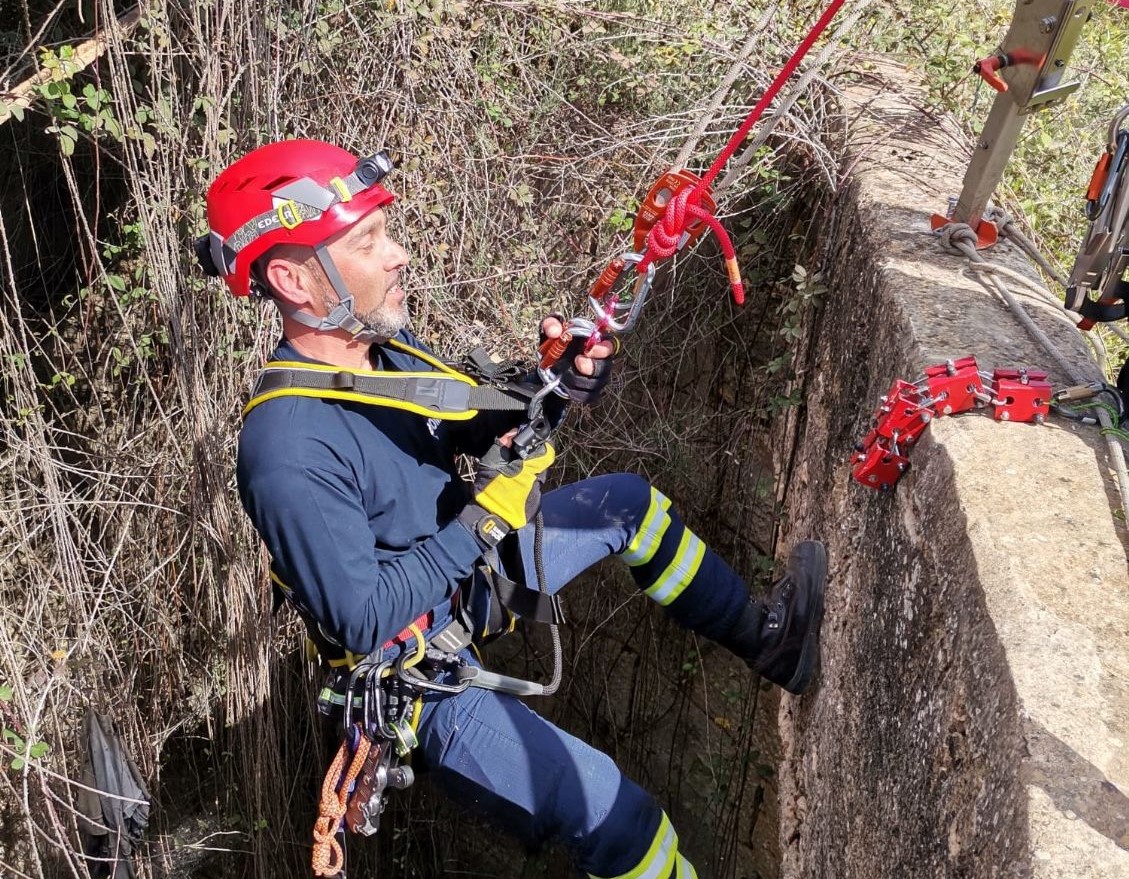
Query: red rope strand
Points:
[665, 236]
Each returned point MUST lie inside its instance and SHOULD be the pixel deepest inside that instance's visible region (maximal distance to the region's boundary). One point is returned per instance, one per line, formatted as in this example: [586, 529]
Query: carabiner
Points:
[611, 313]
[365, 669]
[1109, 169]
[1115, 127]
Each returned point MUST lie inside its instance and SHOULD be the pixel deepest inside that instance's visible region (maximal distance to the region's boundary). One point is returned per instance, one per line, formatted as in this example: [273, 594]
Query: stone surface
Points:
[973, 711]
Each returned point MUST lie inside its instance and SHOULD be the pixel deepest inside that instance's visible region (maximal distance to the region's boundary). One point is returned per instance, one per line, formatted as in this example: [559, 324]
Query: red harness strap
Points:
[422, 622]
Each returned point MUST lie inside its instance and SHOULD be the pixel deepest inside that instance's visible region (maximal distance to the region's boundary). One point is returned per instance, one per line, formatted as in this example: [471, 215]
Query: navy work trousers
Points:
[499, 759]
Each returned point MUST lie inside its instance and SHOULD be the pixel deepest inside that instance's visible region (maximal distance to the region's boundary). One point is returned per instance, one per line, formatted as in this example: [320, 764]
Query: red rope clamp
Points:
[1021, 395]
[903, 415]
[882, 458]
[878, 467]
[955, 386]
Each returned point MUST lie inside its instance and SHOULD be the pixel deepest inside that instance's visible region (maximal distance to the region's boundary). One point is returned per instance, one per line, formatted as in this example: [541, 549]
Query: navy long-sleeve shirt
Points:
[357, 503]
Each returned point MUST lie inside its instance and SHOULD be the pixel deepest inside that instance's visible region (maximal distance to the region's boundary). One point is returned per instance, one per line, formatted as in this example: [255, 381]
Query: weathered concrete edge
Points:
[973, 714]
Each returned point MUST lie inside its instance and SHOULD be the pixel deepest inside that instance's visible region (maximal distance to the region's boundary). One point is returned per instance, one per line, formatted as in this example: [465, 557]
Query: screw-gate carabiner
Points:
[1103, 255]
[613, 313]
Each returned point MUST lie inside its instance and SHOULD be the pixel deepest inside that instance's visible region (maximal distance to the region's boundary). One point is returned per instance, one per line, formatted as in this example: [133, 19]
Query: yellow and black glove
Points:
[507, 492]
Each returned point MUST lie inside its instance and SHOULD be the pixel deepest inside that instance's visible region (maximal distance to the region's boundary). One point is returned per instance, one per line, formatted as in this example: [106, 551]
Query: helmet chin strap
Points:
[341, 316]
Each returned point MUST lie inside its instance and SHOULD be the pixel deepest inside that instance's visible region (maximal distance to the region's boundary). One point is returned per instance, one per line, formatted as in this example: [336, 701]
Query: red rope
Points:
[771, 92]
[685, 207]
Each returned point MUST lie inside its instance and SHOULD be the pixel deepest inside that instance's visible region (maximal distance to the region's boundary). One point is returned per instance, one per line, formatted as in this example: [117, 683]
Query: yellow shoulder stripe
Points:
[353, 397]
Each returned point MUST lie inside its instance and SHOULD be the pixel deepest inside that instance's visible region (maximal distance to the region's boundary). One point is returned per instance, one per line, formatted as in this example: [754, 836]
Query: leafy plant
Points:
[26, 749]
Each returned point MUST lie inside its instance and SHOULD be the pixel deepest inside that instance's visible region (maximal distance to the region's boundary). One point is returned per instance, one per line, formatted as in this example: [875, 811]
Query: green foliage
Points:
[809, 289]
[526, 133]
[26, 748]
[1047, 177]
[89, 111]
[622, 218]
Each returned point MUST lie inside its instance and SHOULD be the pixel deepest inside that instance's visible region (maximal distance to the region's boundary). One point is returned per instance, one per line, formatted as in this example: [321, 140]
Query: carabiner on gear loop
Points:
[365, 672]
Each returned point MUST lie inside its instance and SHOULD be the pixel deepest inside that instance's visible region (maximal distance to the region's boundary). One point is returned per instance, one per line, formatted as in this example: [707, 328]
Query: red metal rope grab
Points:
[685, 207]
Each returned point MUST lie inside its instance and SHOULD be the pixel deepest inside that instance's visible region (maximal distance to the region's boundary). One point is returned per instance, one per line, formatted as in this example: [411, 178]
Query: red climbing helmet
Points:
[291, 192]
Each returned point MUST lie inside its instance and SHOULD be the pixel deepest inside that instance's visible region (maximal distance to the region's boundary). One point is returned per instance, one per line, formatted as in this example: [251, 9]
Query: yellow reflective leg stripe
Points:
[685, 869]
[659, 859]
[673, 581]
[646, 542]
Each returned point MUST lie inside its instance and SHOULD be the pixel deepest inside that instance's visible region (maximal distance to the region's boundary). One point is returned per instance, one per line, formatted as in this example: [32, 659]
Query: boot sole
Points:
[815, 565]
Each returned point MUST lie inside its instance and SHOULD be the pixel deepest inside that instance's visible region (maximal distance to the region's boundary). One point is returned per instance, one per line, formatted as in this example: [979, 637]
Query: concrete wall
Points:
[972, 717]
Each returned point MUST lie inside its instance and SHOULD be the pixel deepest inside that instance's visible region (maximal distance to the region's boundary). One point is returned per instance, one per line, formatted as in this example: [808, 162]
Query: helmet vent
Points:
[278, 181]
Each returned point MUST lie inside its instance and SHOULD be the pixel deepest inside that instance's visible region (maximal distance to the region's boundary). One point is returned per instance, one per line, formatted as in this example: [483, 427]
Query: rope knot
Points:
[328, 858]
[666, 234]
[954, 235]
[998, 216]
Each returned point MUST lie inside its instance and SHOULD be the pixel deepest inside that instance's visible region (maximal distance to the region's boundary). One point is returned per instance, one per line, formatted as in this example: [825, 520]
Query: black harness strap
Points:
[439, 394]
[540, 607]
[1104, 312]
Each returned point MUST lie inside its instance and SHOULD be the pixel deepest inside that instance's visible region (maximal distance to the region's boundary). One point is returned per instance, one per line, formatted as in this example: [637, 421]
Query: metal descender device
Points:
[1097, 288]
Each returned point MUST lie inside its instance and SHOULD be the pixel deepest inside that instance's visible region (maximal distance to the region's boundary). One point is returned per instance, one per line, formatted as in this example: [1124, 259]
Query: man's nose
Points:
[397, 256]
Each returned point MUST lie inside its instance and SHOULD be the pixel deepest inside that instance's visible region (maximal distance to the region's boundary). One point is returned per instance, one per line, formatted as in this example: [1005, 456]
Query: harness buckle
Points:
[343, 192]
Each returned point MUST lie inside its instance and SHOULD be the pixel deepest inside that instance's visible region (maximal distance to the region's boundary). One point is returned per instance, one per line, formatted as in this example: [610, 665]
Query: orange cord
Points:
[328, 858]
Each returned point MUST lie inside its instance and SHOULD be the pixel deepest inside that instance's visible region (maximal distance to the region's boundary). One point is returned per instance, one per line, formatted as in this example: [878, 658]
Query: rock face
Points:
[972, 717]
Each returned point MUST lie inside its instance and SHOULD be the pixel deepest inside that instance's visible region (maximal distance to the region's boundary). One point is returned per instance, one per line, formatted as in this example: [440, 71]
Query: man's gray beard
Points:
[385, 320]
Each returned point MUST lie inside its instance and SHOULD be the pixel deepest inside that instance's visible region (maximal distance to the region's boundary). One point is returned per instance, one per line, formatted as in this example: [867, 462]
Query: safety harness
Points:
[1103, 257]
[378, 697]
[449, 396]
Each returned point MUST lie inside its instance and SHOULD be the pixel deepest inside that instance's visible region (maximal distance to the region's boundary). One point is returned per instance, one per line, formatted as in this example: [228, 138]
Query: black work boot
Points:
[778, 636]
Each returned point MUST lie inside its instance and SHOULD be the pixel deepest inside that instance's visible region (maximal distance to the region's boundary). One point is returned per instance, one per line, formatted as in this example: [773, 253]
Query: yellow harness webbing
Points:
[448, 395]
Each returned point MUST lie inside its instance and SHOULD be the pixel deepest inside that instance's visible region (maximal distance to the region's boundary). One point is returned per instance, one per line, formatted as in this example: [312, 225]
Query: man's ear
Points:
[291, 278]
